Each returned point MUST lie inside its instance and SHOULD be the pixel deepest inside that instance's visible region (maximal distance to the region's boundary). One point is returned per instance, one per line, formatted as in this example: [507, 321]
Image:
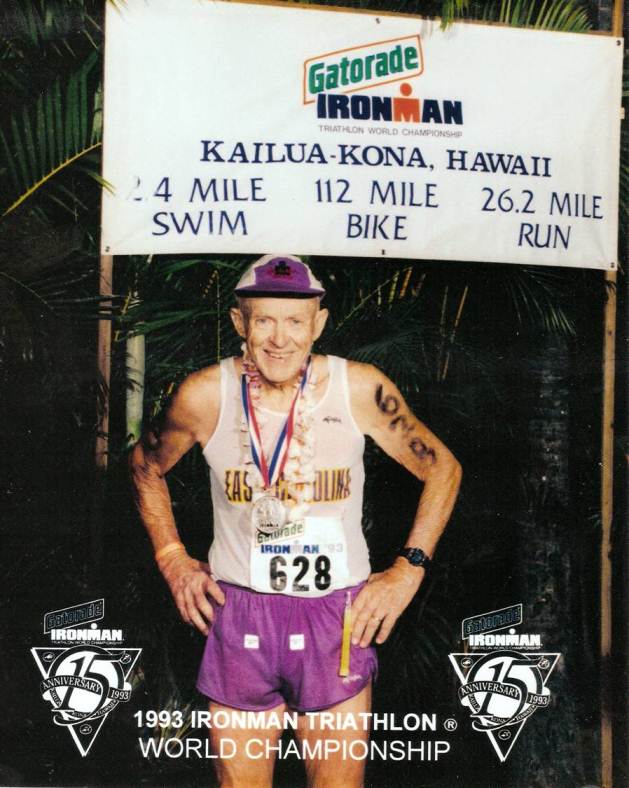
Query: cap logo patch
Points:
[282, 269]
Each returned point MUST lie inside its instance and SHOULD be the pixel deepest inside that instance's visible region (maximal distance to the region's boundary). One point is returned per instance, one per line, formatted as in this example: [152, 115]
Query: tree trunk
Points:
[549, 750]
[135, 358]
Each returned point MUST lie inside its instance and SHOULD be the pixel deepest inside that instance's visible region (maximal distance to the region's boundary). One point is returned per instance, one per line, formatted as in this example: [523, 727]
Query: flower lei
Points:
[298, 472]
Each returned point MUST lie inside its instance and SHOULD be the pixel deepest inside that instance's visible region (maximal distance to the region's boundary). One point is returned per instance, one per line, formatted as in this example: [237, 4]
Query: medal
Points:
[268, 513]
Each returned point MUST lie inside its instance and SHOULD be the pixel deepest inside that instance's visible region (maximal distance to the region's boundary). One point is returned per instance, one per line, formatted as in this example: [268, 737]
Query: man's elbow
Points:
[140, 468]
[456, 472]
[135, 458]
[449, 470]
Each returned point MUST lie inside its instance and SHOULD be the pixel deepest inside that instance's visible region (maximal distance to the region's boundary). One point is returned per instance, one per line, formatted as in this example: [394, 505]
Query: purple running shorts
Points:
[267, 649]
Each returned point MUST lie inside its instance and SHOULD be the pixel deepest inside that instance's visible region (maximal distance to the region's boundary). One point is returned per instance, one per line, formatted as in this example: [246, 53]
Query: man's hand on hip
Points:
[190, 583]
[382, 601]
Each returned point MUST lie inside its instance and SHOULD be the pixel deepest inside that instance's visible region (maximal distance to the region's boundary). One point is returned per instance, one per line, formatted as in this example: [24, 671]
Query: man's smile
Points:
[278, 356]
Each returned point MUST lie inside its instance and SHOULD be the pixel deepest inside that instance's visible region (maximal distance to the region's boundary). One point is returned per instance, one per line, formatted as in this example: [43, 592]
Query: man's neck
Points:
[278, 395]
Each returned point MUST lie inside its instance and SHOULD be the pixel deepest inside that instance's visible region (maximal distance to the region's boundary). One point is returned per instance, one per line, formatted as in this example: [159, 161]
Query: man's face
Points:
[279, 333]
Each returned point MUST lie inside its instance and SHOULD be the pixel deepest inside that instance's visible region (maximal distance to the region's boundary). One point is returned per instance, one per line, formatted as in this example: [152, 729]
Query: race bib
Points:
[303, 558]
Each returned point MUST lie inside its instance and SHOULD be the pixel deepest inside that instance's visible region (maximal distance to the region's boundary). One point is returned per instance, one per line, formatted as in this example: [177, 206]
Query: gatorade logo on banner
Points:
[363, 67]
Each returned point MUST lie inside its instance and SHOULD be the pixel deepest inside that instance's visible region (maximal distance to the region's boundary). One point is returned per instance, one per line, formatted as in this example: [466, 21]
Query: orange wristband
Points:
[172, 547]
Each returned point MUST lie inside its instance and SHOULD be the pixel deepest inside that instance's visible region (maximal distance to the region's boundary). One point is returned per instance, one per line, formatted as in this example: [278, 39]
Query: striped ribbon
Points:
[270, 472]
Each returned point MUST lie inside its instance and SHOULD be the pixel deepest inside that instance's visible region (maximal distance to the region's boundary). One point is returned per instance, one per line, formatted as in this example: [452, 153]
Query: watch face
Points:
[415, 556]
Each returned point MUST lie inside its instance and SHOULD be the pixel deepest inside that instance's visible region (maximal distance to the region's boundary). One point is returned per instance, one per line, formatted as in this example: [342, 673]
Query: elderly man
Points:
[288, 584]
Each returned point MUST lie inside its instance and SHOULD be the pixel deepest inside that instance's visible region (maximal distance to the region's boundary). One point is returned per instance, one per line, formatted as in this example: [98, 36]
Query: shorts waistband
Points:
[338, 592]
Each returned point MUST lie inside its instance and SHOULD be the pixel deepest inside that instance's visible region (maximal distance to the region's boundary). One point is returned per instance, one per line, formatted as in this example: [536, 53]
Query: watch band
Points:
[416, 557]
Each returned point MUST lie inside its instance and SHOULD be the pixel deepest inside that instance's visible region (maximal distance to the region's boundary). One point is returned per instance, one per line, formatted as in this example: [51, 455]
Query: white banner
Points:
[255, 128]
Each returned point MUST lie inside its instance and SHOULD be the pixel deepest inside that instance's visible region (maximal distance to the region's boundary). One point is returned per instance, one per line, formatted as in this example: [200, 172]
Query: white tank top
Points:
[337, 494]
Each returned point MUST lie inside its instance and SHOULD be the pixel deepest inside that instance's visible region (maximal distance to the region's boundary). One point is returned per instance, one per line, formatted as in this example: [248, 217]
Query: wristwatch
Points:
[416, 557]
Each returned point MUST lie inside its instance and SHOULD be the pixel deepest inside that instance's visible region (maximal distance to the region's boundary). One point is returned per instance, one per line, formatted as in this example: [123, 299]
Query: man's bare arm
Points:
[381, 412]
[190, 419]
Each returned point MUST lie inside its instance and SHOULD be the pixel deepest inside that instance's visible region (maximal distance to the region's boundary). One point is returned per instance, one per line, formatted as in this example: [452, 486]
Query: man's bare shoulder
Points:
[366, 386]
[198, 386]
[364, 378]
[206, 380]
[196, 403]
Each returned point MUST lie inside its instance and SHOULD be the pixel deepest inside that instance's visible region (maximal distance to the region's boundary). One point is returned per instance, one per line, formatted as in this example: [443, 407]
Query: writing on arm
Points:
[381, 412]
[392, 405]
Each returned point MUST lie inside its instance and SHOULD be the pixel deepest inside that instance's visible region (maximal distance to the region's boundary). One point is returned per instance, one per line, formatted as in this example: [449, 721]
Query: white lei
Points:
[299, 472]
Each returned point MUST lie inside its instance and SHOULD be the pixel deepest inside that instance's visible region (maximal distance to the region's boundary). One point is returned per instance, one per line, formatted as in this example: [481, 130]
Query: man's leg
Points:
[337, 771]
[244, 771]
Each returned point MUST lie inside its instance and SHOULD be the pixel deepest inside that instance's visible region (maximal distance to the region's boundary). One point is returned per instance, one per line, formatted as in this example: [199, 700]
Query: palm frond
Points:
[43, 139]
[451, 10]
[51, 23]
[535, 296]
[569, 16]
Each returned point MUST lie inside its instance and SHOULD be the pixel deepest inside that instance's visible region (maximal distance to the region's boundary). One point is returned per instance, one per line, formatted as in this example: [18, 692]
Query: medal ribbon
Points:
[270, 472]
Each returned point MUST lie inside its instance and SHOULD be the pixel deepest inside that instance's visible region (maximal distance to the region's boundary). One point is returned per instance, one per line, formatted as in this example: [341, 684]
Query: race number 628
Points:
[305, 573]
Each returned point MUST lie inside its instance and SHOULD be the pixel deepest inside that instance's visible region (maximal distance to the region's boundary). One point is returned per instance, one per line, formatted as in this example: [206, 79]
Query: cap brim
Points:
[252, 292]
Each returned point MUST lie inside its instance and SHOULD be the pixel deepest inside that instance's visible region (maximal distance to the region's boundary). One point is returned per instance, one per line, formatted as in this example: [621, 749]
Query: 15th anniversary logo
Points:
[505, 683]
[85, 678]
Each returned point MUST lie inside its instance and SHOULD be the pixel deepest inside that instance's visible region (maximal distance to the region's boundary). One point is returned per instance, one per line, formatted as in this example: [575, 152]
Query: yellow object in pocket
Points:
[347, 634]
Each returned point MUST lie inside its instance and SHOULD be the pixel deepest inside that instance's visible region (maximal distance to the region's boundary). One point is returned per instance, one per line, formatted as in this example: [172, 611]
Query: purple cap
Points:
[279, 275]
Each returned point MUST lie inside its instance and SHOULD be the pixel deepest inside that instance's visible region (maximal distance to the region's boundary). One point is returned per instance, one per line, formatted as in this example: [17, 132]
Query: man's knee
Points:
[337, 729]
[246, 762]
